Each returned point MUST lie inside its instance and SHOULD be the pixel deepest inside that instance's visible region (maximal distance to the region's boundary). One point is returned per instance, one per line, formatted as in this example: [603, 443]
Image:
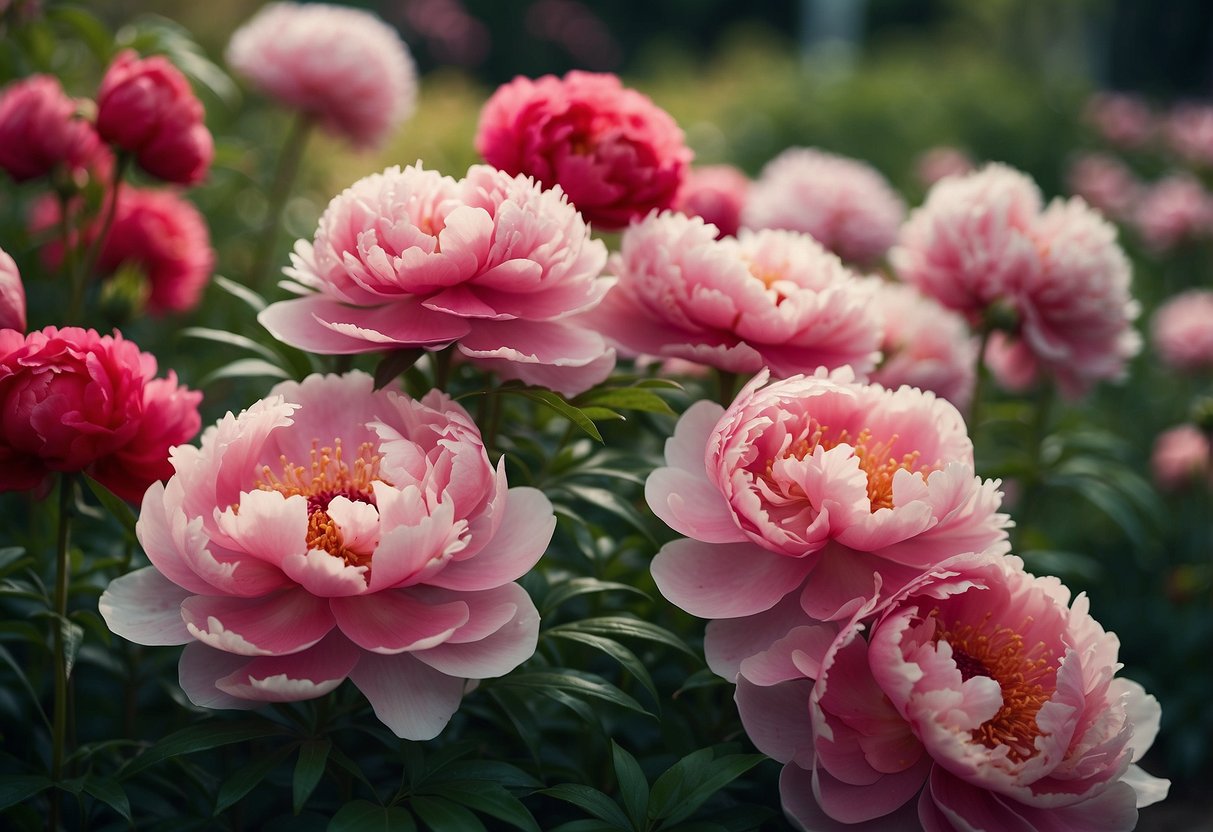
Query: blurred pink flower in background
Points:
[1188, 130]
[772, 299]
[451, 34]
[981, 695]
[844, 204]
[372, 524]
[716, 193]
[42, 131]
[342, 67]
[12, 294]
[1122, 120]
[1174, 210]
[1106, 183]
[614, 152]
[147, 108]
[924, 345]
[411, 258]
[577, 29]
[940, 162]
[1181, 457]
[1182, 331]
[71, 398]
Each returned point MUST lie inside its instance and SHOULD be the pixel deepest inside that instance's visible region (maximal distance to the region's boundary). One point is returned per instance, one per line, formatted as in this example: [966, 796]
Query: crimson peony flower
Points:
[73, 400]
[614, 152]
[146, 107]
[41, 131]
[1182, 331]
[844, 204]
[716, 193]
[978, 697]
[768, 298]
[12, 294]
[1175, 209]
[410, 258]
[331, 531]
[1106, 183]
[1182, 456]
[816, 477]
[343, 67]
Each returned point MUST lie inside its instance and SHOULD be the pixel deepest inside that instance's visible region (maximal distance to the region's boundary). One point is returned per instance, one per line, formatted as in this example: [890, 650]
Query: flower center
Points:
[1025, 675]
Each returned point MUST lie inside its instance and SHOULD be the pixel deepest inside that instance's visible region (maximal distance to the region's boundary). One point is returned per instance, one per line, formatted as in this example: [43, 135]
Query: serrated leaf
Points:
[109, 792]
[18, 788]
[626, 658]
[118, 508]
[364, 816]
[558, 404]
[490, 798]
[240, 291]
[245, 779]
[201, 736]
[633, 785]
[245, 368]
[591, 800]
[441, 815]
[232, 339]
[394, 364]
[572, 588]
[617, 626]
[309, 768]
[574, 682]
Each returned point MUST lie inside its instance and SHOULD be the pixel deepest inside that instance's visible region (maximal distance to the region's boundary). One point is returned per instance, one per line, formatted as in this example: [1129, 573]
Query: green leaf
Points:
[497, 772]
[702, 678]
[15, 789]
[591, 800]
[245, 368]
[616, 626]
[202, 736]
[245, 779]
[551, 400]
[633, 785]
[313, 757]
[86, 27]
[490, 798]
[11, 558]
[611, 502]
[19, 671]
[394, 364]
[669, 785]
[602, 414]
[441, 815]
[615, 650]
[586, 825]
[625, 398]
[240, 291]
[118, 508]
[585, 685]
[364, 816]
[719, 774]
[109, 792]
[222, 336]
[567, 590]
[73, 636]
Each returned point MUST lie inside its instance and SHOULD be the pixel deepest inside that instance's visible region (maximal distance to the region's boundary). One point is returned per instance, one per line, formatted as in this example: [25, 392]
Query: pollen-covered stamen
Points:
[324, 534]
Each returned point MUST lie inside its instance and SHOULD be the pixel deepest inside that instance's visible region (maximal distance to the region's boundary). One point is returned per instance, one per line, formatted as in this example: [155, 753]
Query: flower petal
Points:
[394, 621]
[725, 580]
[145, 607]
[412, 699]
[497, 653]
[691, 505]
[274, 625]
[776, 719]
[298, 676]
[201, 667]
[526, 528]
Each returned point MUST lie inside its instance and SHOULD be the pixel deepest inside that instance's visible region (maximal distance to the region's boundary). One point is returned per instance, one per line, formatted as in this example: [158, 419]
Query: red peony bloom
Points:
[146, 106]
[40, 131]
[614, 152]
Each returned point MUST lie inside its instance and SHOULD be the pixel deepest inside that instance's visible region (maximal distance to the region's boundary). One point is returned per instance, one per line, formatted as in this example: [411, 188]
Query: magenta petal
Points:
[971, 809]
[394, 621]
[799, 803]
[273, 625]
[725, 580]
[201, 667]
[145, 607]
[412, 699]
[304, 675]
[776, 719]
[691, 506]
[855, 804]
[497, 653]
[521, 539]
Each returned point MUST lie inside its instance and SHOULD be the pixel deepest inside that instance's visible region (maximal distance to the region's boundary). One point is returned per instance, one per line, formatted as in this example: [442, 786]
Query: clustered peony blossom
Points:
[41, 131]
[717, 193]
[1121, 119]
[1188, 130]
[765, 299]
[343, 67]
[1175, 209]
[1182, 455]
[1182, 331]
[977, 697]
[74, 400]
[1106, 183]
[615, 153]
[330, 532]
[12, 294]
[844, 204]
[147, 108]
[411, 258]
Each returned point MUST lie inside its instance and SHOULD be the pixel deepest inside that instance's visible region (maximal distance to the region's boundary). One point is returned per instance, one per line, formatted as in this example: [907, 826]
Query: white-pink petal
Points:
[145, 607]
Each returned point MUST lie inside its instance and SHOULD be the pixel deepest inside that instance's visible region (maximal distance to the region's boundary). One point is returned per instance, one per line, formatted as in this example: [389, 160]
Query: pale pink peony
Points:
[1175, 209]
[844, 204]
[1106, 183]
[411, 258]
[816, 477]
[614, 152]
[978, 697]
[772, 299]
[42, 132]
[12, 294]
[1188, 130]
[716, 193]
[1182, 331]
[941, 162]
[1121, 119]
[332, 531]
[924, 345]
[343, 67]
[1182, 456]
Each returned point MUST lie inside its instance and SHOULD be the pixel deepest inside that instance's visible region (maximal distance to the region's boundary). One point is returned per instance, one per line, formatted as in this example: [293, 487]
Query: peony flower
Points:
[345, 68]
[1182, 456]
[332, 531]
[1173, 210]
[614, 152]
[410, 258]
[12, 294]
[940, 162]
[1122, 120]
[1182, 331]
[768, 298]
[844, 204]
[978, 697]
[1105, 182]
[147, 108]
[1188, 130]
[74, 400]
[41, 131]
[819, 478]
[716, 193]
[924, 345]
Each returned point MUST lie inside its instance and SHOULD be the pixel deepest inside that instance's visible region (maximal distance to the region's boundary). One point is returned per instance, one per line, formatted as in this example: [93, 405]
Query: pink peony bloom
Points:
[978, 697]
[1122, 120]
[147, 108]
[332, 531]
[766, 299]
[41, 131]
[410, 258]
[1188, 130]
[1182, 331]
[844, 204]
[1106, 183]
[941, 162]
[1174, 210]
[924, 345]
[74, 400]
[343, 67]
[716, 193]
[12, 294]
[614, 152]
[1182, 456]
[815, 477]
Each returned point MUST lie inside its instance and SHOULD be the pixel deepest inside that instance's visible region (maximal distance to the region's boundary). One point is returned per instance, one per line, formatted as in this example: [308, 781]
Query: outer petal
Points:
[319, 324]
[691, 506]
[521, 539]
[497, 653]
[566, 357]
[394, 621]
[800, 805]
[145, 607]
[412, 699]
[856, 804]
[304, 675]
[286, 622]
[201, 667]
[729, 641]
[725, 580]
[776, 719]
[687, 448]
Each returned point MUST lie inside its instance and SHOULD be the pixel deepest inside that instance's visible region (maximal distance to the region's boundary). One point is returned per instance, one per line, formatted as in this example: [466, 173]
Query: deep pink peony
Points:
[924, 345]
[147, 108]
[74, 400]
[41, 131]
[332, 531]
[941, 162]
[1121, 119]
[1106, 183]
[411, 258]
[768, 298]
[844, 204]
[343, 67]
[716, 193]
[978, 697]
[12, 294]
[815, 477]
[1182, 456]
[614, 152]
[1182, 331]
[1175, 209]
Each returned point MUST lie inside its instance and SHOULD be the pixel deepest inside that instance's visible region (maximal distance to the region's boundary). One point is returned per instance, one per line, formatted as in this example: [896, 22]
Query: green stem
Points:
[980, 374]
[442, 360]
[727, 383]
[494, 422]
[62, 575]
[75, 281]
[108, 212]
[279, 192]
